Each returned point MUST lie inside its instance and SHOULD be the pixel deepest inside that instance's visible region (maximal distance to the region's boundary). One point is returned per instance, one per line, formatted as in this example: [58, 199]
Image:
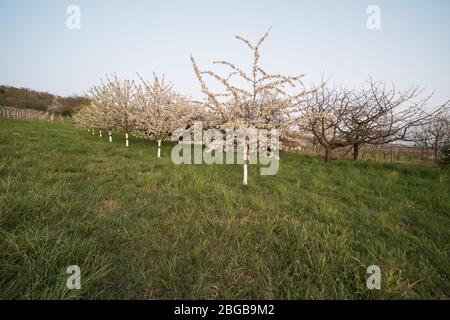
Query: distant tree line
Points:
[24, 98]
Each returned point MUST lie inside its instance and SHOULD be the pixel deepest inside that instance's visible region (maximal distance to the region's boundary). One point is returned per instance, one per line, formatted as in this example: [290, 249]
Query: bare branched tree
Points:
[381, 114]
[375, 115]
[434, 134]
[324, 116]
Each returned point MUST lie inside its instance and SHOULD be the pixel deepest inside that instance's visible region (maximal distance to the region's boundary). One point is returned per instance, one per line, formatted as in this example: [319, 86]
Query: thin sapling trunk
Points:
[245, 181]
[159, 148]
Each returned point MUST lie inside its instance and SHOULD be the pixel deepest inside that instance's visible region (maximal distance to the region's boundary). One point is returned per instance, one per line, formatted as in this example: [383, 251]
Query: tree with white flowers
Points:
[103, 109]
[88, 117]
[116, 98]
[254, 100]
[160, 110]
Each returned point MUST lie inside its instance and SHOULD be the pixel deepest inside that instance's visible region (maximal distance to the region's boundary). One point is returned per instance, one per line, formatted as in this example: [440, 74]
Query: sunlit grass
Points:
[142, 228]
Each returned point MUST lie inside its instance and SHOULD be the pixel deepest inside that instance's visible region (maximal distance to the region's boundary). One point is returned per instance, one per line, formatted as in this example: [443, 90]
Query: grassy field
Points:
[142, 228]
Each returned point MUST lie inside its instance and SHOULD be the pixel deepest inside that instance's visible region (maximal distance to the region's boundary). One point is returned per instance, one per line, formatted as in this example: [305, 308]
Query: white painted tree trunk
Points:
[159, 148]
[127, 144]
[110, 136]
[100, 134]
[245, 182]
[93, 132]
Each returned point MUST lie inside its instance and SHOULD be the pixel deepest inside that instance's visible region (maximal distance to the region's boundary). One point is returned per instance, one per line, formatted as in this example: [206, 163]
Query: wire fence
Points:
[29, 114]
[379, 153]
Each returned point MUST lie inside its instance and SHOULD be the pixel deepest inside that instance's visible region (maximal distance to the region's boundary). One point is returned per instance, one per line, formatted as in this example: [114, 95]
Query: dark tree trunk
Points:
[327, 155]
[355, 151]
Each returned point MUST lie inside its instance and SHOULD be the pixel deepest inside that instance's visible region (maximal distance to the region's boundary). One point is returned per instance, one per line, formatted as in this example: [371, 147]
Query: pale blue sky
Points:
[312, 37]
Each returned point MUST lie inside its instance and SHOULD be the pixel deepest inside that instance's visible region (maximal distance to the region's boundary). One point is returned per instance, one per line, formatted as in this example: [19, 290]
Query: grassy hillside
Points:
[141, 227]
[31, 99]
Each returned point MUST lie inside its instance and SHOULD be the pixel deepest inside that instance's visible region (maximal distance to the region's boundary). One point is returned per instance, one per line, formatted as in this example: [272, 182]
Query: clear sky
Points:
[313, 37]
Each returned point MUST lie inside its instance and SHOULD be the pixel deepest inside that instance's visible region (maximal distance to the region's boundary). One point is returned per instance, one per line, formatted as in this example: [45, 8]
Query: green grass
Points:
[142, 228]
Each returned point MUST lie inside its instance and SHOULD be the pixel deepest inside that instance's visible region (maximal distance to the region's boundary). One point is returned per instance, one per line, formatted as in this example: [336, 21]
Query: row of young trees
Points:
[149, 109]
[256, 99]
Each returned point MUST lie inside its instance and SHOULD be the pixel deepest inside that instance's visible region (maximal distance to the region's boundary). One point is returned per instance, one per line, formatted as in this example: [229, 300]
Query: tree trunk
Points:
[328, 155]
[355, 151]
[127, 144]
[100, 134]
[110, 136]
[159, 148]
[245, 181]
